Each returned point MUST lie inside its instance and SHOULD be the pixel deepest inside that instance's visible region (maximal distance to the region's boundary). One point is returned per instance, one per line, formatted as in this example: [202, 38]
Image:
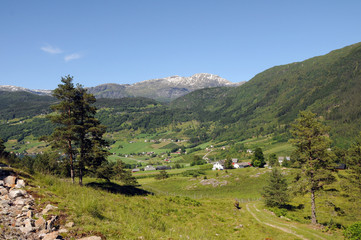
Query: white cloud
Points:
[51, 49]
[73, 56]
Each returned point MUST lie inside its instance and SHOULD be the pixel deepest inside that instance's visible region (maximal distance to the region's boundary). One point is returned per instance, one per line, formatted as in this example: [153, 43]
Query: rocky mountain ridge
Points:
[9, 88]
[163, 89]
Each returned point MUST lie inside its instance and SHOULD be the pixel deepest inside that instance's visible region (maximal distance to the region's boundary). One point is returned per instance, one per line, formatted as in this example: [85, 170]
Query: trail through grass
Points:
[301, 231]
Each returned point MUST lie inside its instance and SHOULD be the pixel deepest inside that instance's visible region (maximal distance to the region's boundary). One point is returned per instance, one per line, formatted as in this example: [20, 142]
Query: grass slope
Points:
[183, 208]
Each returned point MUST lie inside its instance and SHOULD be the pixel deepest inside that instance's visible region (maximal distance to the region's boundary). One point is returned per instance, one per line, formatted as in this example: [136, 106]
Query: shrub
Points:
[162, 175]
[193, 173]
[353, 232]
[279, 211]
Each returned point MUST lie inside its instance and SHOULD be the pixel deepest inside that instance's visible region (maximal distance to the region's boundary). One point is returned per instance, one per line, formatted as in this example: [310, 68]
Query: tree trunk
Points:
[71, 161]
[80, 176]
[72, 173]
[313, 208]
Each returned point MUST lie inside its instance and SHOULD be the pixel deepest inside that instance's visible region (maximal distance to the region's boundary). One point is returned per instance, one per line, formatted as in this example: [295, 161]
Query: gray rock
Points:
[50, 223]
[91, 238]
[48, 208]
[26, 230]
[20, 183]
[69, 225]
[28, 222]
[3, 191]
[30, 214]
[52, 236]
[20, 201]
[16, 193]
[40, 223]
[10, 181]
[63, 230]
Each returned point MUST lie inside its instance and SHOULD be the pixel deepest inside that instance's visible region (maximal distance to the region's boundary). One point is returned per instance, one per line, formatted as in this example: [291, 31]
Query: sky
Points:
[127, 41]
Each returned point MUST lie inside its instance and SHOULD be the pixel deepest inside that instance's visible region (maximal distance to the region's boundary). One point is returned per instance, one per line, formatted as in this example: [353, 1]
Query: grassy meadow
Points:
[184, 208]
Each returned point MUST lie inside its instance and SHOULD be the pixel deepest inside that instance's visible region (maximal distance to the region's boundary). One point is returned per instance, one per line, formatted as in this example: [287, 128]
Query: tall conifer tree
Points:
[63, 136]
[79, 134]
[312, 144]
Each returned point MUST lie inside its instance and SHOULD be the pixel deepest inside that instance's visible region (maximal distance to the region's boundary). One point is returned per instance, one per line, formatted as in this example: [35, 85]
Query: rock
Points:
[51, 222]
[20, 202]
[91, 238]
[52, 236]
[40, 223]
[3, 191]
[239, 226]
[26, 230]
[69, 225]
[48, 208]
[16, 193]
[20, 183]
[1, 183]
[29, 222]
[30, 214]
[63, 230]
[10, 181]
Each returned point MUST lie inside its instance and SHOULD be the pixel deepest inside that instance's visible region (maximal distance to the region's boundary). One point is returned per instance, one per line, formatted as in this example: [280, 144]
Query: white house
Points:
[217, 166]
[149, 168]
[235, 165]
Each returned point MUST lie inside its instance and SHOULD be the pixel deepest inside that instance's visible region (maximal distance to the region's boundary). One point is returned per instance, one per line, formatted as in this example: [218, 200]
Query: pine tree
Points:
[228, 163]
[275, 193]
[258, 158]
[312, 144]
[89, 133]
[79, 133]
[2, 147]
[272, 160]
[63, 136]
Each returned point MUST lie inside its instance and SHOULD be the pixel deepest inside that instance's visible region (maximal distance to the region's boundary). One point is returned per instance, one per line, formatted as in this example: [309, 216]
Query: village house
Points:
[218, 165]
[235, 165]
[149, 168]
[244, 164]
[163, 168]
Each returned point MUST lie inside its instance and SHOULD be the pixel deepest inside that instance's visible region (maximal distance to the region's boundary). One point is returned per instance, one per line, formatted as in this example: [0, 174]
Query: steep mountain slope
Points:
[329, 85]
[9, 88]
[163, 89]
[23, 104]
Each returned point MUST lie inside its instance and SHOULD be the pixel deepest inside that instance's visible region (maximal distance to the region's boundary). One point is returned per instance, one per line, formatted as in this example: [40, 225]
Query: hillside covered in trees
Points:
[328, 85]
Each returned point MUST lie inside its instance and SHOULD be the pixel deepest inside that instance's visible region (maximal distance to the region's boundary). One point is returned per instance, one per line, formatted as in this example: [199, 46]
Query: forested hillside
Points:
[23, 104]
[328, 85]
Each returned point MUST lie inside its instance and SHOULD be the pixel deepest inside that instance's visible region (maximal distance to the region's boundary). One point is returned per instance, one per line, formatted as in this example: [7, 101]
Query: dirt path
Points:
[286, 228]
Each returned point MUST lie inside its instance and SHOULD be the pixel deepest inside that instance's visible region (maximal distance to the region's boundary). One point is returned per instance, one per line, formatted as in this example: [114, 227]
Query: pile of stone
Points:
[18, 217]
[213, 182]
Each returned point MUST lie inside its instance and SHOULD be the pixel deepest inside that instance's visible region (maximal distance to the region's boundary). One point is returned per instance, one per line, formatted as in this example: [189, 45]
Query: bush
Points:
[353, 232]
[193, 173]
[279, 211]
[162, 175]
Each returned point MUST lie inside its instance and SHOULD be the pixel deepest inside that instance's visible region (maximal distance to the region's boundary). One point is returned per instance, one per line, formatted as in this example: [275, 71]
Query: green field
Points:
[183, 208]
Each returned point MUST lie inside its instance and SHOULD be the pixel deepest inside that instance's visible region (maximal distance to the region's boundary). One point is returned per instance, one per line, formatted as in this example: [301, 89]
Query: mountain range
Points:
[162, 89]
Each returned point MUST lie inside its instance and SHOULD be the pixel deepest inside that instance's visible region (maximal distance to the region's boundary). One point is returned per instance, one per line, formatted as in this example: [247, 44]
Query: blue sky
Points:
[130, 41]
